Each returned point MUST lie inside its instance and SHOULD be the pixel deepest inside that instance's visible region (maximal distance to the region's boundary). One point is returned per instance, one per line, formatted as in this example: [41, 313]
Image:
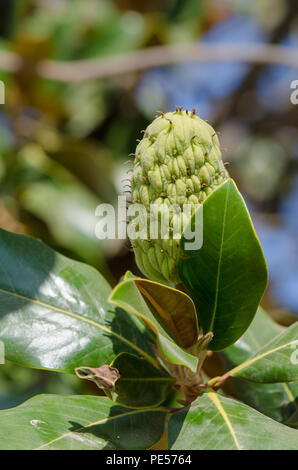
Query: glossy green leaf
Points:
[141, 384]
[54, 312]
[53, 422]
[276, 362]
[280, 400]
[226, 277]
[127, 296]
[214, 422]
[262, 330]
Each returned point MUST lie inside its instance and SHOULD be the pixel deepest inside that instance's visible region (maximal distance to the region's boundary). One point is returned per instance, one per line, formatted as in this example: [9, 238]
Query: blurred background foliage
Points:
[63, 146]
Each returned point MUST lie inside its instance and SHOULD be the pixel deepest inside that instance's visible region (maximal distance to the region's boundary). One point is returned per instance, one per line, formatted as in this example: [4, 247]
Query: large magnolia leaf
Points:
[214, 422]
[262, 330]
[127, 296]
[228, 275]
[280, 400]
[140, 384]
[54, 312]
[275, 362]
[78, 422]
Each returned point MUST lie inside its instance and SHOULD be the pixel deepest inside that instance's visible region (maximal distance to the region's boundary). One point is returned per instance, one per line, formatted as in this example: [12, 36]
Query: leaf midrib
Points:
[290, 395]
[215, 399]
[95, 423]
[81, 318]
[260, 356]
[219, 262]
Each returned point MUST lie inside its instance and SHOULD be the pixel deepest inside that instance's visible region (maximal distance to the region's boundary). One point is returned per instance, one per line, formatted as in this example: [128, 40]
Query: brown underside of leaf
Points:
[105, 377]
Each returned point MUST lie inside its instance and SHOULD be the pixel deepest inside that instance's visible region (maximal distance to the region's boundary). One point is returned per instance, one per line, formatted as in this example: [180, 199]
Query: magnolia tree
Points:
[144, 343]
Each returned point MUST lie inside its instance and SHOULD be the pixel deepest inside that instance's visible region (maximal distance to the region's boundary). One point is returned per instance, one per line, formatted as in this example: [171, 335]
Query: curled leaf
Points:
[105, 377]
[174, 309]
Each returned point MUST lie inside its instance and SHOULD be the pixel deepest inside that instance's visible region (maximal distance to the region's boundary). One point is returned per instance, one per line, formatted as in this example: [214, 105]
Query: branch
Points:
[10, 61]
[80, 70]
[166, 55]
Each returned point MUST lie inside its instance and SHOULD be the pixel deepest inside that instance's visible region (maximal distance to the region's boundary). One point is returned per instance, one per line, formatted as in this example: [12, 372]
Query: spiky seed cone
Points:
[177, 162]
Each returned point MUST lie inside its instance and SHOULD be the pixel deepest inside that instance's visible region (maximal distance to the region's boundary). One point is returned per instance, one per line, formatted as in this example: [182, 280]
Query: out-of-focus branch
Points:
[165, 55]
[10, 62]
[154, 57]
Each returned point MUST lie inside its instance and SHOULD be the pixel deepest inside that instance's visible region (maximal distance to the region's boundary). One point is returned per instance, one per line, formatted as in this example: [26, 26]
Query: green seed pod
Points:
[177, 162]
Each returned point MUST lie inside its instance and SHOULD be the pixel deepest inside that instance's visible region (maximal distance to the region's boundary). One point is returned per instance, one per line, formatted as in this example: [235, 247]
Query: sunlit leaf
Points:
[275, 362]
[78, 422]
[214, 422]
[278, 401]
[54, 312]
[226, 277]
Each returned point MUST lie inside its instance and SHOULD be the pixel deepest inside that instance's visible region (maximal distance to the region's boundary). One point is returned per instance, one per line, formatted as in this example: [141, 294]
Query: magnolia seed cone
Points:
[177, 162]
